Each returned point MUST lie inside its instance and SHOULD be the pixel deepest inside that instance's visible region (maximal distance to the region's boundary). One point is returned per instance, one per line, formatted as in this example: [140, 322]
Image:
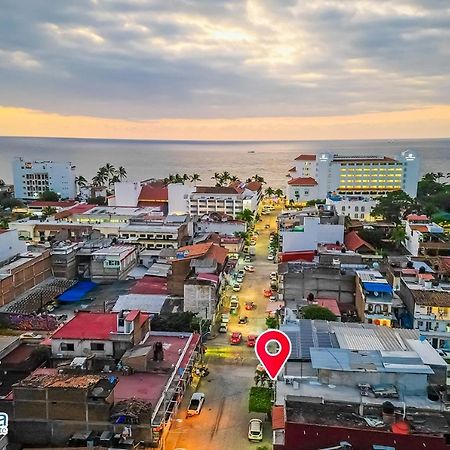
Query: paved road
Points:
[223, 422]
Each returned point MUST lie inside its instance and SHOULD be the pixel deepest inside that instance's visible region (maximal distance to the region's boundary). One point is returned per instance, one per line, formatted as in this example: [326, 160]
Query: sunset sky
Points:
[224, 69]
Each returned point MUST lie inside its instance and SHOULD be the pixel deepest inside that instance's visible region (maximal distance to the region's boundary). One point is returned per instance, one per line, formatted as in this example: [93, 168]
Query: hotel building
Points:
[353, 175]
[32, 178]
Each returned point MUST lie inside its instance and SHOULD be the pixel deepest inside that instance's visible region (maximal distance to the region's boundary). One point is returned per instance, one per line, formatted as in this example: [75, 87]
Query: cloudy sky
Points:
[225, 69]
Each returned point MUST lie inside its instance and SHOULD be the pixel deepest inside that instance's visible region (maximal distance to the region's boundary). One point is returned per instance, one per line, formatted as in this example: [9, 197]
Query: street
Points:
[223, 421]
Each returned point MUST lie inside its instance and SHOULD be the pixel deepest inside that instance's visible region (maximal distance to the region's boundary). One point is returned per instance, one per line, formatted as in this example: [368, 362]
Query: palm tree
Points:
[122, 173]
[398, 235]
[269, 192]
[185, 177]
[439, 175]
[226, 176]
[109, 169]
[279, 193]
[234, 178]
[195, 177]
[80, 181]
[246, 215]
[258, 178]
[101, 177]
[48, 211]
[216, 176]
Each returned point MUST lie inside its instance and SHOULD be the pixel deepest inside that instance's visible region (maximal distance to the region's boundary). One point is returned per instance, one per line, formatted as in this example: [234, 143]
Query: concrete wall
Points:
[178, 195]
[126, 193]
[201, 299]
[322, 282]
[82, 348]
[10, 245]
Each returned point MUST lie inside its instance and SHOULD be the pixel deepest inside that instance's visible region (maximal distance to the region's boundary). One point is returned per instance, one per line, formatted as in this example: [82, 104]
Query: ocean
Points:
[157, 159]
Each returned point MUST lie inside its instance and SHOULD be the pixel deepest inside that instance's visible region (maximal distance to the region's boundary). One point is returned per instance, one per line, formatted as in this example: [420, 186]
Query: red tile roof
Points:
[218, 190]
[88, 325]
[150, 285]
[420, 228]
[292, 169]
[43, 204]
[354, 242]
[306, 158]
[329, 303]
[132, 315]
[444, 263]
[416, 217]
[207, 249]
[253, 186]
[306, 181]
[154, 192]
[77, 209]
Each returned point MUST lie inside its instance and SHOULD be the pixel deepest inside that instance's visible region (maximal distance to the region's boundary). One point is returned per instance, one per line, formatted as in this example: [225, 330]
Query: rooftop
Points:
[347, 416]
[217, 190]
[430, 297]
[302, 181]
[148, 303]
[88, 325]
[150, 285]
[154, 192]
[306, 158]
[55, 380]
[120, 250]
[353, 241]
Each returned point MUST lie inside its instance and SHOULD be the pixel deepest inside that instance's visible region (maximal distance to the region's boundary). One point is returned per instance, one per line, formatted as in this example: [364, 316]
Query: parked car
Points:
[249, 306]
[255, 430]
[251, 340]
[236, 338]
[225, 318]
[253, 242]
[241, 273]
[243, 320]
[236, 287]
[274, 276]
[267, 226]
[245, 249]
[240, 279]
[270, 257]
[196, 403]
[267, 293]
[273, 298]
[248, 259]
[249, 268]
[223, 328]
[234, 306]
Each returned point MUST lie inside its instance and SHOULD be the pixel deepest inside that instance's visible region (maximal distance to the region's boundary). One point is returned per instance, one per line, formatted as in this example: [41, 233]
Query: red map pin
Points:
[273, 362]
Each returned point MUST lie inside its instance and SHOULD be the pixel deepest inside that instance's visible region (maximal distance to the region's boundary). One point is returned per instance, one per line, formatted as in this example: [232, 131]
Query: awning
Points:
[377, 287]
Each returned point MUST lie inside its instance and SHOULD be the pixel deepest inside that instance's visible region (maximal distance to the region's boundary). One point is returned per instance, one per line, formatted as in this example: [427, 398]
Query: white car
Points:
[249, 268]
[225, 318]
[270, 257]
[252, 242]
[240, 279]
[196, 403]
[237, 287]
[274, 276]
[255, 430]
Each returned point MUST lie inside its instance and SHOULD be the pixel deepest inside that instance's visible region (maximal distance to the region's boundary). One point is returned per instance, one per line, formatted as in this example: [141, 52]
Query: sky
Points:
[225, 69]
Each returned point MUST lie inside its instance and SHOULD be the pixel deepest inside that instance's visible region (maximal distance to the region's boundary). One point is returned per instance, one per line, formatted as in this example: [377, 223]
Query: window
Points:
[356, 215]
[343, 208]
[356, 208]
[429, 310]
[306, 192]
[363, 208]
[362, 216]
[97, 346]
[420, 323]
[66, 347]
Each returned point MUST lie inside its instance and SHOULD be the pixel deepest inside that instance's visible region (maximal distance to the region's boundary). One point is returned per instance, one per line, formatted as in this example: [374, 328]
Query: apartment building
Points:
[32, 178]
[354, 206]
[375, 298]
[355, 174]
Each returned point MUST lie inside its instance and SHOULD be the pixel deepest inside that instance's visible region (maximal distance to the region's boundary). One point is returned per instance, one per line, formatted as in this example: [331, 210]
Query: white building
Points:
[219, 223]
[307, 229]
[32, 178]
[353, 206]
[302, 189]
[359, 175]
[10, 245]
[422, 234]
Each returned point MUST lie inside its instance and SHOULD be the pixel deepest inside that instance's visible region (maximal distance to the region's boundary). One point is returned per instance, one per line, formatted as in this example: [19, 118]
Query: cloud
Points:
[151, 59]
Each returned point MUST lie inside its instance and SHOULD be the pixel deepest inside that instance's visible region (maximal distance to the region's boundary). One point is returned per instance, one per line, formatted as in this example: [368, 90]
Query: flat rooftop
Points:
[55, 380]
[347, 416]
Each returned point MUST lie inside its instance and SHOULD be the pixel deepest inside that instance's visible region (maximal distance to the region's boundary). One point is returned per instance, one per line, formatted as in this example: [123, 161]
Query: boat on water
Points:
[252, 151]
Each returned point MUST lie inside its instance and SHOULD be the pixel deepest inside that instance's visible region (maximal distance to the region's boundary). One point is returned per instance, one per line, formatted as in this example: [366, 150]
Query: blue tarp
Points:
[377, 287]
[77, 292]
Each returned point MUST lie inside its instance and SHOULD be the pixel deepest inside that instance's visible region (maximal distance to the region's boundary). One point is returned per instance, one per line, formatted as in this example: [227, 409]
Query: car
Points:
[245, 249]
[196, 403]
[236, 287]
[268, 293]
[243, 320]
[233, 298]
[241, 273]
[270, 257]
[273, 298]
[223, 328]
[251, 340]
[255, 430]
[31, 335]
[235, 338]
[267, 226]
[240, 280]
[252, 242]
[274, 285]
[256, 233]
[249, 306]
[249, 268]
[234, 306]
[225, 318]
[248, 259]
[264, 213]
[274, 275]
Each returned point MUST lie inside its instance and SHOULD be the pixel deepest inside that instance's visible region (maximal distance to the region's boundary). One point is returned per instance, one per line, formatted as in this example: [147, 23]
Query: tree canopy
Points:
[393, 206]
[49, 196]
[315, 312]
[260, 399]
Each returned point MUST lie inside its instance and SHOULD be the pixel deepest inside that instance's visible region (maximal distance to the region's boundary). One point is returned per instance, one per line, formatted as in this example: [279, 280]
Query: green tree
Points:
[121, 173]
[279, 193]
[315, 202]
[260, 399]
[195, 177]
[398, 236]
[179, 322]
[315, 312]
[393, 206]
[80, 181]
[9, 202]
[49, 196]
[258, 178]
[269, 192]
[272, 322]
[246, 216]
[48, 211]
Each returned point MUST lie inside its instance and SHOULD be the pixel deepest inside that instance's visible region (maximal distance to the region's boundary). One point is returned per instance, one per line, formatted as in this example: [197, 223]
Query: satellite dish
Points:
[376, 265]
[376, 294]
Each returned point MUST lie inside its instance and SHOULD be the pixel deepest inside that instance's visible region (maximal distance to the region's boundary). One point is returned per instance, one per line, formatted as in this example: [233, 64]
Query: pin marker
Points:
[273, 362]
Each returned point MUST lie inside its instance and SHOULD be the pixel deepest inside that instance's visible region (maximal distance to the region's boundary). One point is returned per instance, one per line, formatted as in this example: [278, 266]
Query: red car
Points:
[249, 306]
[236, 338]
[268, 293]
[251, 340]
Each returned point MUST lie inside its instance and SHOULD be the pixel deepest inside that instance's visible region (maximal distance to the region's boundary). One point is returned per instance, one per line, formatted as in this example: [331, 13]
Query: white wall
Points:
[179, 197]
[200, 299]
[82, 348]
[126, 193]
[10, 245]
[314, 233]
[412, 243]
[353, 207]
[228, 228]
[305, 193]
